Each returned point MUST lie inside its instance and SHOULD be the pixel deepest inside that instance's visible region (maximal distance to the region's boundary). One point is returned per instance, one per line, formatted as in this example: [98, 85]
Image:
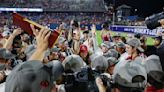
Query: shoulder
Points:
[2, 87]
[139, 60]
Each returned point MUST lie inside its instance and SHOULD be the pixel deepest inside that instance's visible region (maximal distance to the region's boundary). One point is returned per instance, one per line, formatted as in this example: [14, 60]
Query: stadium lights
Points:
[22, 9]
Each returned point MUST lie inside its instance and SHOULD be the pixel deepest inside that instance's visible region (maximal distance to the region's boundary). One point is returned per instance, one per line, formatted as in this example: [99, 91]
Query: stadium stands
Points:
[57, 5]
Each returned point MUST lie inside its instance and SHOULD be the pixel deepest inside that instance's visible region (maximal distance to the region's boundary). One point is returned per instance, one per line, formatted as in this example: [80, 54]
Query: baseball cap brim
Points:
[140, 49]
[112, 61]
[104, 45]
[120, 45]
[83, 51]
[132, 42]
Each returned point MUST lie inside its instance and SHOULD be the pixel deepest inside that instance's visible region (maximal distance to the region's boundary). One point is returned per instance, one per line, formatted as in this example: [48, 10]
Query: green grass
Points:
[149, 39]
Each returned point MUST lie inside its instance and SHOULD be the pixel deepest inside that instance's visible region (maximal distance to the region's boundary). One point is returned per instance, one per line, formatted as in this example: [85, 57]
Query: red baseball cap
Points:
[83, 48]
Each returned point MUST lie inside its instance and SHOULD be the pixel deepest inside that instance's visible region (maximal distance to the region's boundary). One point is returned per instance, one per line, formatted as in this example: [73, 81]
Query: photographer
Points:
[159, 44]
[81, 78]
[152, 22]
[72, 67]
[155, 20]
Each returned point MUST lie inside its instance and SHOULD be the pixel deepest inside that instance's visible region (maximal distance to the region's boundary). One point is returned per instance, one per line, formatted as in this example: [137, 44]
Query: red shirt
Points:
[105, 38]
[153, 89]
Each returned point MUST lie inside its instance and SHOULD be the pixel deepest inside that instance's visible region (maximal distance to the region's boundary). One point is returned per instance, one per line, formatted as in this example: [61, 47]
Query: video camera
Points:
[84, 81]
[152, 21]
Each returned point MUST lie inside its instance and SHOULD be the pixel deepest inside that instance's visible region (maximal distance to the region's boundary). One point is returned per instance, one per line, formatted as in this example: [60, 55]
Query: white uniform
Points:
[2, 87]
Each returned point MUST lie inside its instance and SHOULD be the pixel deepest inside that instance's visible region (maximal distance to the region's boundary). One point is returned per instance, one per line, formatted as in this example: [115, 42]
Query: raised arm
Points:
[9, 42]
[42, 37]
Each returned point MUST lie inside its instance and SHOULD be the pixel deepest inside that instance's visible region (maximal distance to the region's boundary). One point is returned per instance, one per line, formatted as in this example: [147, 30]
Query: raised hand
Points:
[9, 42]
[162, 22]
[100, 85]
[42, 37]
[93, 29]
[17, 32]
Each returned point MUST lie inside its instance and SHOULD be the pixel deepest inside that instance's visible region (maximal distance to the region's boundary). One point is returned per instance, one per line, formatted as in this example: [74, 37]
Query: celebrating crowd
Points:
[76, 63]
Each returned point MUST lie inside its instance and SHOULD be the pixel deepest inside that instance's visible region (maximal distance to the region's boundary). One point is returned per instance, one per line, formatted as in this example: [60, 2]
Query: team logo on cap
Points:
[129, 58]
[44, 83]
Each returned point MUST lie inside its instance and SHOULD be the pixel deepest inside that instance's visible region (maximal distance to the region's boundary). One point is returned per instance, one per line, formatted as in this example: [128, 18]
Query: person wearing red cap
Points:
[84, 54]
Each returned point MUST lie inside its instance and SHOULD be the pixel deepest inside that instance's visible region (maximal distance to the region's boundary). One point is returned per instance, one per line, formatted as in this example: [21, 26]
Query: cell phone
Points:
[24, 24]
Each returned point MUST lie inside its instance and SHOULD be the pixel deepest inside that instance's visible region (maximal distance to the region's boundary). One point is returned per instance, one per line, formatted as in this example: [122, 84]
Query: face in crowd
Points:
[157, 42]
[130, 49]
[85, 36]
[83, 51]
[104, 49]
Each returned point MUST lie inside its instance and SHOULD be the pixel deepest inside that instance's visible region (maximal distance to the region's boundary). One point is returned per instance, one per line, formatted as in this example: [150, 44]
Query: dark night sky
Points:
[144, 7]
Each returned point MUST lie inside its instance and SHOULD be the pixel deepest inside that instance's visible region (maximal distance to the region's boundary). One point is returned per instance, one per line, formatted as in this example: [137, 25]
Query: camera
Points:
[152, 21]
[84, 81]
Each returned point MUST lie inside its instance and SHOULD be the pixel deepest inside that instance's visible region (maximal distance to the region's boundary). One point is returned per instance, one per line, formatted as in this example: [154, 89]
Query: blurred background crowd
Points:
[77, 62]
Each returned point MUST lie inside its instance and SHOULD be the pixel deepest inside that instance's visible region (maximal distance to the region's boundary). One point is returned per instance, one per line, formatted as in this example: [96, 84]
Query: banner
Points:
[136, 29]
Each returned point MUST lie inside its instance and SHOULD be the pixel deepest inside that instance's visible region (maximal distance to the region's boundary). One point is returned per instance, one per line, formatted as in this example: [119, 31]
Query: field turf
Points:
[149, 39]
